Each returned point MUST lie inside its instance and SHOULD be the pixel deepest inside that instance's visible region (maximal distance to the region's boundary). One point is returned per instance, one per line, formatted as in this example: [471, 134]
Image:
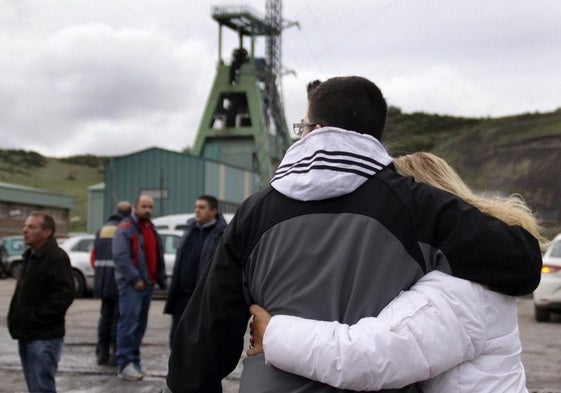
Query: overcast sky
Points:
[111, 77]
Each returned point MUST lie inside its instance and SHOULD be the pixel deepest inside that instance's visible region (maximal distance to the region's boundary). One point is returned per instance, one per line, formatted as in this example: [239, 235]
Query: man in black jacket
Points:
[44, 291]
[194, 251]
[105, 287]
[337, 235]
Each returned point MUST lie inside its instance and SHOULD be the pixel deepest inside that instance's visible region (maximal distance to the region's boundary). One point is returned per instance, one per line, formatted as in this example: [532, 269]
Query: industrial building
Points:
[16, 202]
[174, 180]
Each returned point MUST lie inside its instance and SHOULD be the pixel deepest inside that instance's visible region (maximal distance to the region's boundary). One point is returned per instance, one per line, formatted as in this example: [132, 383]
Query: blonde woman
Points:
[453, 334]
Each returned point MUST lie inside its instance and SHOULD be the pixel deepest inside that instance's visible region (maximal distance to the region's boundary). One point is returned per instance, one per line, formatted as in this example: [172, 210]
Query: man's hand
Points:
[139, 285]
[257, 329]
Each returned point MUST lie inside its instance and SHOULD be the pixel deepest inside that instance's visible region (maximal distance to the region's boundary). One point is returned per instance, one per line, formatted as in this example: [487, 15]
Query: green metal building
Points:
[174, 180]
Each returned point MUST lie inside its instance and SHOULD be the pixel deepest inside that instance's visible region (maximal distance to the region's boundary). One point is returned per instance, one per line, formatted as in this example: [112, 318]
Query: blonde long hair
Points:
[431, 169]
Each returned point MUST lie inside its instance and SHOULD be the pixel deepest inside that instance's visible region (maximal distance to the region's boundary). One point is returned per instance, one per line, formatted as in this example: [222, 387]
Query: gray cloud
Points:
[107, 77]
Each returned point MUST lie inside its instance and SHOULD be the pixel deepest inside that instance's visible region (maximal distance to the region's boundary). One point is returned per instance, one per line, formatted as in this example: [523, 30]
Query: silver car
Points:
[547, 296]
[79, 248]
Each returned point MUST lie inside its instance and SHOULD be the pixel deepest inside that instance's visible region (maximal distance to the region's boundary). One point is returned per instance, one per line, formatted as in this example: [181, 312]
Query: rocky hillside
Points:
[518, 154]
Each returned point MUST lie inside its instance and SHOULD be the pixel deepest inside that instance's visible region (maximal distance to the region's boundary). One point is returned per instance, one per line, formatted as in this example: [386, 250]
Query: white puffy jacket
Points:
[452, 333]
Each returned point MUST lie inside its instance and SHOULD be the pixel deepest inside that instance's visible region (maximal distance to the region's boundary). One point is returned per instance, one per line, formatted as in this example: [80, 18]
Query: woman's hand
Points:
[257, 329]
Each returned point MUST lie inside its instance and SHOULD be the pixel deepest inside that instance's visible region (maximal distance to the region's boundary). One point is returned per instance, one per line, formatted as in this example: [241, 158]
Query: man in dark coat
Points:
[44, 291]
[105, 287]
[194, 251]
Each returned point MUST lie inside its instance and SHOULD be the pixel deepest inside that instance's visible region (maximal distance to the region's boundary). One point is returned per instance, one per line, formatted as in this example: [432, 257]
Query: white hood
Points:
[327, 163]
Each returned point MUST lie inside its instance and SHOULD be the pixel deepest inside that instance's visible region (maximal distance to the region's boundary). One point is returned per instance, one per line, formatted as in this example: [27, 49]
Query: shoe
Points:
[130, 373]
[140, 370]
[102, 356]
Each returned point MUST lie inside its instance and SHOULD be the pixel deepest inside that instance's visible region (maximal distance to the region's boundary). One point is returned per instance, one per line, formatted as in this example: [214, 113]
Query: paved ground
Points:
[78, 372]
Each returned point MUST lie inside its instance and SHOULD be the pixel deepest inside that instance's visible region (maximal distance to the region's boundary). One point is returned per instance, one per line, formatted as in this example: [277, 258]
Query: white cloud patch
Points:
[85, 76]
[442, 88]
[112, 77]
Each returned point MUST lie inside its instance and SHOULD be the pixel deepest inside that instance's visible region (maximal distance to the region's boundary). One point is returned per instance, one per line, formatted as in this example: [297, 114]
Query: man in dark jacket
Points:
[105, 287]
[194, 251]
[44, 291]
[139, 265]
[337, 235]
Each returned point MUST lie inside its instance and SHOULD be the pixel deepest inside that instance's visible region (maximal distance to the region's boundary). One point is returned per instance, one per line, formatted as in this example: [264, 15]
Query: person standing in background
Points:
[105, 287]
[194, 251]
[44, 291]
[139, 265]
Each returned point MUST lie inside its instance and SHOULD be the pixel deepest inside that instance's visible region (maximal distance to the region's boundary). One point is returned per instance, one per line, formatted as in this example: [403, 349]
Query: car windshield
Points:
[15, 247]
[556, 249]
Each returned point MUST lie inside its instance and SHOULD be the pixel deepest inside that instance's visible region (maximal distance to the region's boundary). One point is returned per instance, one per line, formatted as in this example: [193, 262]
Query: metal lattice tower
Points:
[244, 122]
[274, 19]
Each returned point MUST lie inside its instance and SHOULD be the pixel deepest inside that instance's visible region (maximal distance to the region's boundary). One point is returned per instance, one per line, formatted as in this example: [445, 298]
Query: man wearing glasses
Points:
[302, 129]
[336, 236]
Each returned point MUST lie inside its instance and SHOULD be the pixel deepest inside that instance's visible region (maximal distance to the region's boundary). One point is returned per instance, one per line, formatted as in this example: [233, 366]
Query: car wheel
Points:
[79, 284]
[15, 269]
[541, 314]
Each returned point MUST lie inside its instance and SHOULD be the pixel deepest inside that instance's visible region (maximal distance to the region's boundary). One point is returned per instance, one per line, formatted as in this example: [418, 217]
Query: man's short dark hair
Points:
[48, 221]
[212, 201]
[351, 102]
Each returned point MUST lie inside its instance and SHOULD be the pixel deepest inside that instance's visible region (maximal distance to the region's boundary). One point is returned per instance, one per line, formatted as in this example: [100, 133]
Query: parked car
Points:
[170, 239]
[178, 222]
[78, 248]
[14, 247]
[547, 296]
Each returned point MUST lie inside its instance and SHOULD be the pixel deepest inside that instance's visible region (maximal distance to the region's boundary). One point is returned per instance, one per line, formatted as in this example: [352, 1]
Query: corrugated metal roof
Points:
[34, 196]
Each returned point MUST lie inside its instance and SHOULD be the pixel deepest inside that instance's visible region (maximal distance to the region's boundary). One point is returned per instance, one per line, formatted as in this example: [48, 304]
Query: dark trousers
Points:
[178, 308]
[107, 326]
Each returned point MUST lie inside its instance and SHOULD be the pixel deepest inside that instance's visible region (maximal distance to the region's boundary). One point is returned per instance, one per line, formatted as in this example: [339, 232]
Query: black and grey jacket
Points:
[336, 237]
[43, 293]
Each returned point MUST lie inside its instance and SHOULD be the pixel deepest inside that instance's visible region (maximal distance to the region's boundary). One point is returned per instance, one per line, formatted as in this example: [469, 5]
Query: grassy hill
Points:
[516, 154]
[70, 176]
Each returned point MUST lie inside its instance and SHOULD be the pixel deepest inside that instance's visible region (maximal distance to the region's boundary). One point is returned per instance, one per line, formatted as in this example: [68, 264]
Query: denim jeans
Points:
[133, 318]
[39, 359]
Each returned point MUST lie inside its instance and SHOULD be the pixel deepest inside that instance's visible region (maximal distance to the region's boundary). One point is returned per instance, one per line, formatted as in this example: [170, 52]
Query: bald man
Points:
[139, 265]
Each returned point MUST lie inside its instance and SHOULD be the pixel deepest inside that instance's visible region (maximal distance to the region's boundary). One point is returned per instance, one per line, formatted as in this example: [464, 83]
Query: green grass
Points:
[515, 154]
[54, 175]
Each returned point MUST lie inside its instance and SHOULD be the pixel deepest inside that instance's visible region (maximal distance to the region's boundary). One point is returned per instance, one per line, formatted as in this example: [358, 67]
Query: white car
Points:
[547, 296]
[78, 248]
[178, 222]
[170, 239]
